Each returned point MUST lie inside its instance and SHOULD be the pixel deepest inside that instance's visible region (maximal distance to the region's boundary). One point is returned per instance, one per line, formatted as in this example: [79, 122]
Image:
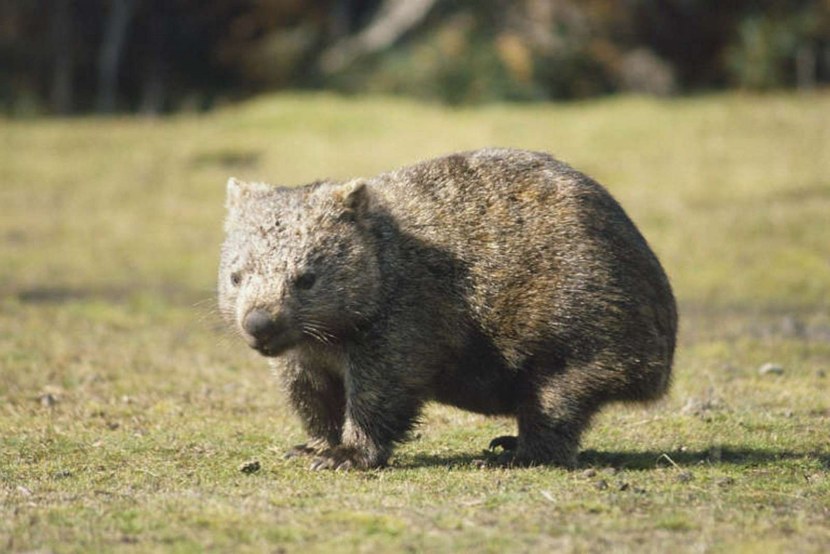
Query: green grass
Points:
[126, 408]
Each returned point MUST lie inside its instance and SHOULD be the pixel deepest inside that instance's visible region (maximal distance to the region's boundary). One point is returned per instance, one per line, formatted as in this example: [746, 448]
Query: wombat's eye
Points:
[346, 216]
[305, 281]
[236, 278]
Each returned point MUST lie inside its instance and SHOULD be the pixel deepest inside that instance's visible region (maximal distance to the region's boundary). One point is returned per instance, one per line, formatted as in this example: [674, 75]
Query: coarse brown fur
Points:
[498, 281]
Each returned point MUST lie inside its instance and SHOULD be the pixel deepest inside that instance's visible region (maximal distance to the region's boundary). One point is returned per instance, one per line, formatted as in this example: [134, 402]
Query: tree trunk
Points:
[112, 47]
[394, 18]
[805, 67]
[62, 72]
[339, 23]
[154, 88]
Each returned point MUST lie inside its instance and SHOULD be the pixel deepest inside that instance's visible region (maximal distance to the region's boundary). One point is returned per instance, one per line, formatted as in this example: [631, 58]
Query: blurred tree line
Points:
[154, 56]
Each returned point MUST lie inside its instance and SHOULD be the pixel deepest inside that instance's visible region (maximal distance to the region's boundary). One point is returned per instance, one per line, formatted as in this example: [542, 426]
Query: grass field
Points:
[127, 410]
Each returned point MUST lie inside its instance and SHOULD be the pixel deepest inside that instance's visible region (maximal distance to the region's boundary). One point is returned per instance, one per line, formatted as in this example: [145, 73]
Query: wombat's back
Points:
[553, 269]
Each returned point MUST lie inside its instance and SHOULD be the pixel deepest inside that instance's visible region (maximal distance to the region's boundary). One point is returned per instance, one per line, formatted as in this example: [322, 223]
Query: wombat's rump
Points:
[499, 281]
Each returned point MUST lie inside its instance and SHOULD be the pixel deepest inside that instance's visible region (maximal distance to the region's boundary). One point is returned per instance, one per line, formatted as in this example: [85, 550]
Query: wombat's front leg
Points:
[319, 399]
[380, 411]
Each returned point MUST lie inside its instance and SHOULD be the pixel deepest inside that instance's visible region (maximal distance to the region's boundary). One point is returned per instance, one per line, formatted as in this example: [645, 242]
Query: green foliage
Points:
[456, 65]
[177, 56]
[127, 409]
[766, 47]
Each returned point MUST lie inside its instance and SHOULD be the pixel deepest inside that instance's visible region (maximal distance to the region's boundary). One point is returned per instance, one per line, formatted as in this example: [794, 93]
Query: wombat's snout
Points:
[266, 333]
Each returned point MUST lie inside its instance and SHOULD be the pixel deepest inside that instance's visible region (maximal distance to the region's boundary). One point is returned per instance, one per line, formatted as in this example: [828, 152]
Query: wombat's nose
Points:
[259, 324]
[270, 335]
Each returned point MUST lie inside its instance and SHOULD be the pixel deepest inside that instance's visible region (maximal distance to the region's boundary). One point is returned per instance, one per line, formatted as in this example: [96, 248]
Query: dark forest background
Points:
[157, 56]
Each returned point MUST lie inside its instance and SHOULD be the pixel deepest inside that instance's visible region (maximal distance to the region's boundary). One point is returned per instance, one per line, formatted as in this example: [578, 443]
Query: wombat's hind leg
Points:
[553, 417]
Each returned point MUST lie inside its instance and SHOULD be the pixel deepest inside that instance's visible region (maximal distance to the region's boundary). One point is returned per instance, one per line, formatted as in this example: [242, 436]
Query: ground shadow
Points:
[58, 295]
[449, 461]
[717, 455]
[632, 460]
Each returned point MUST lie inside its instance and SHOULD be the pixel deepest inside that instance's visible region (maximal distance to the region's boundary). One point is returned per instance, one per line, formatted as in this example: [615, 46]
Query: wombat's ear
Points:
[240, 190]
[355, 197]
[235, 192]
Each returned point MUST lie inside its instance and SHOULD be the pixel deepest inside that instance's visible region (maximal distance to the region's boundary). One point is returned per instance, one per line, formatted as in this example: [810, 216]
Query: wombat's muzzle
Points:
[268, 334]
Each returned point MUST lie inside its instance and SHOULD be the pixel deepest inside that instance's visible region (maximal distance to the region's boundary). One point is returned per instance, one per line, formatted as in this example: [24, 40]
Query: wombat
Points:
[500, 281]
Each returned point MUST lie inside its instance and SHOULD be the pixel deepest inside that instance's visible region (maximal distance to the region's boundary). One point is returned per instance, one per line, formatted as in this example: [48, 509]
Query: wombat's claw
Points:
[506, 442]
[512, 459]
[327, 463]
[301, 450]
[336, 459]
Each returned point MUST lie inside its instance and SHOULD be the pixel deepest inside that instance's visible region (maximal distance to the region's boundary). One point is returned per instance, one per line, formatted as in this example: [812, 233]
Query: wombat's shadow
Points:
[637, 461]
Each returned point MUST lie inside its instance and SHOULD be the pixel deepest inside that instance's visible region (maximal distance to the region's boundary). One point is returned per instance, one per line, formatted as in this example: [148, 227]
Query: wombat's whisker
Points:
[318, 331]
[209, 300]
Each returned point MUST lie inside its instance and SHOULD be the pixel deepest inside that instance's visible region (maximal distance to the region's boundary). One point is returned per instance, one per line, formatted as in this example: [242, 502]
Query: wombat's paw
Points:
[506, 442]
[505, 459]
[307, 449]
[342, 458]
[513, 456]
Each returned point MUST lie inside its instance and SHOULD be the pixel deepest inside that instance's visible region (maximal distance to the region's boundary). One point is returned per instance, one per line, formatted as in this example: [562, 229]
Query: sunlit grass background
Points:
[126, 408]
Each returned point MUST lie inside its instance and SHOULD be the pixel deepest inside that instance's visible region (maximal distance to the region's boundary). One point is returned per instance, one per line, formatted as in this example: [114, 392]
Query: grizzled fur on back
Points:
[499, 281]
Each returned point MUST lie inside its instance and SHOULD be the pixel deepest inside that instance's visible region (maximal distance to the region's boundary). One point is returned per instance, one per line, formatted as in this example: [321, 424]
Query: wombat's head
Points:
[298, 265]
